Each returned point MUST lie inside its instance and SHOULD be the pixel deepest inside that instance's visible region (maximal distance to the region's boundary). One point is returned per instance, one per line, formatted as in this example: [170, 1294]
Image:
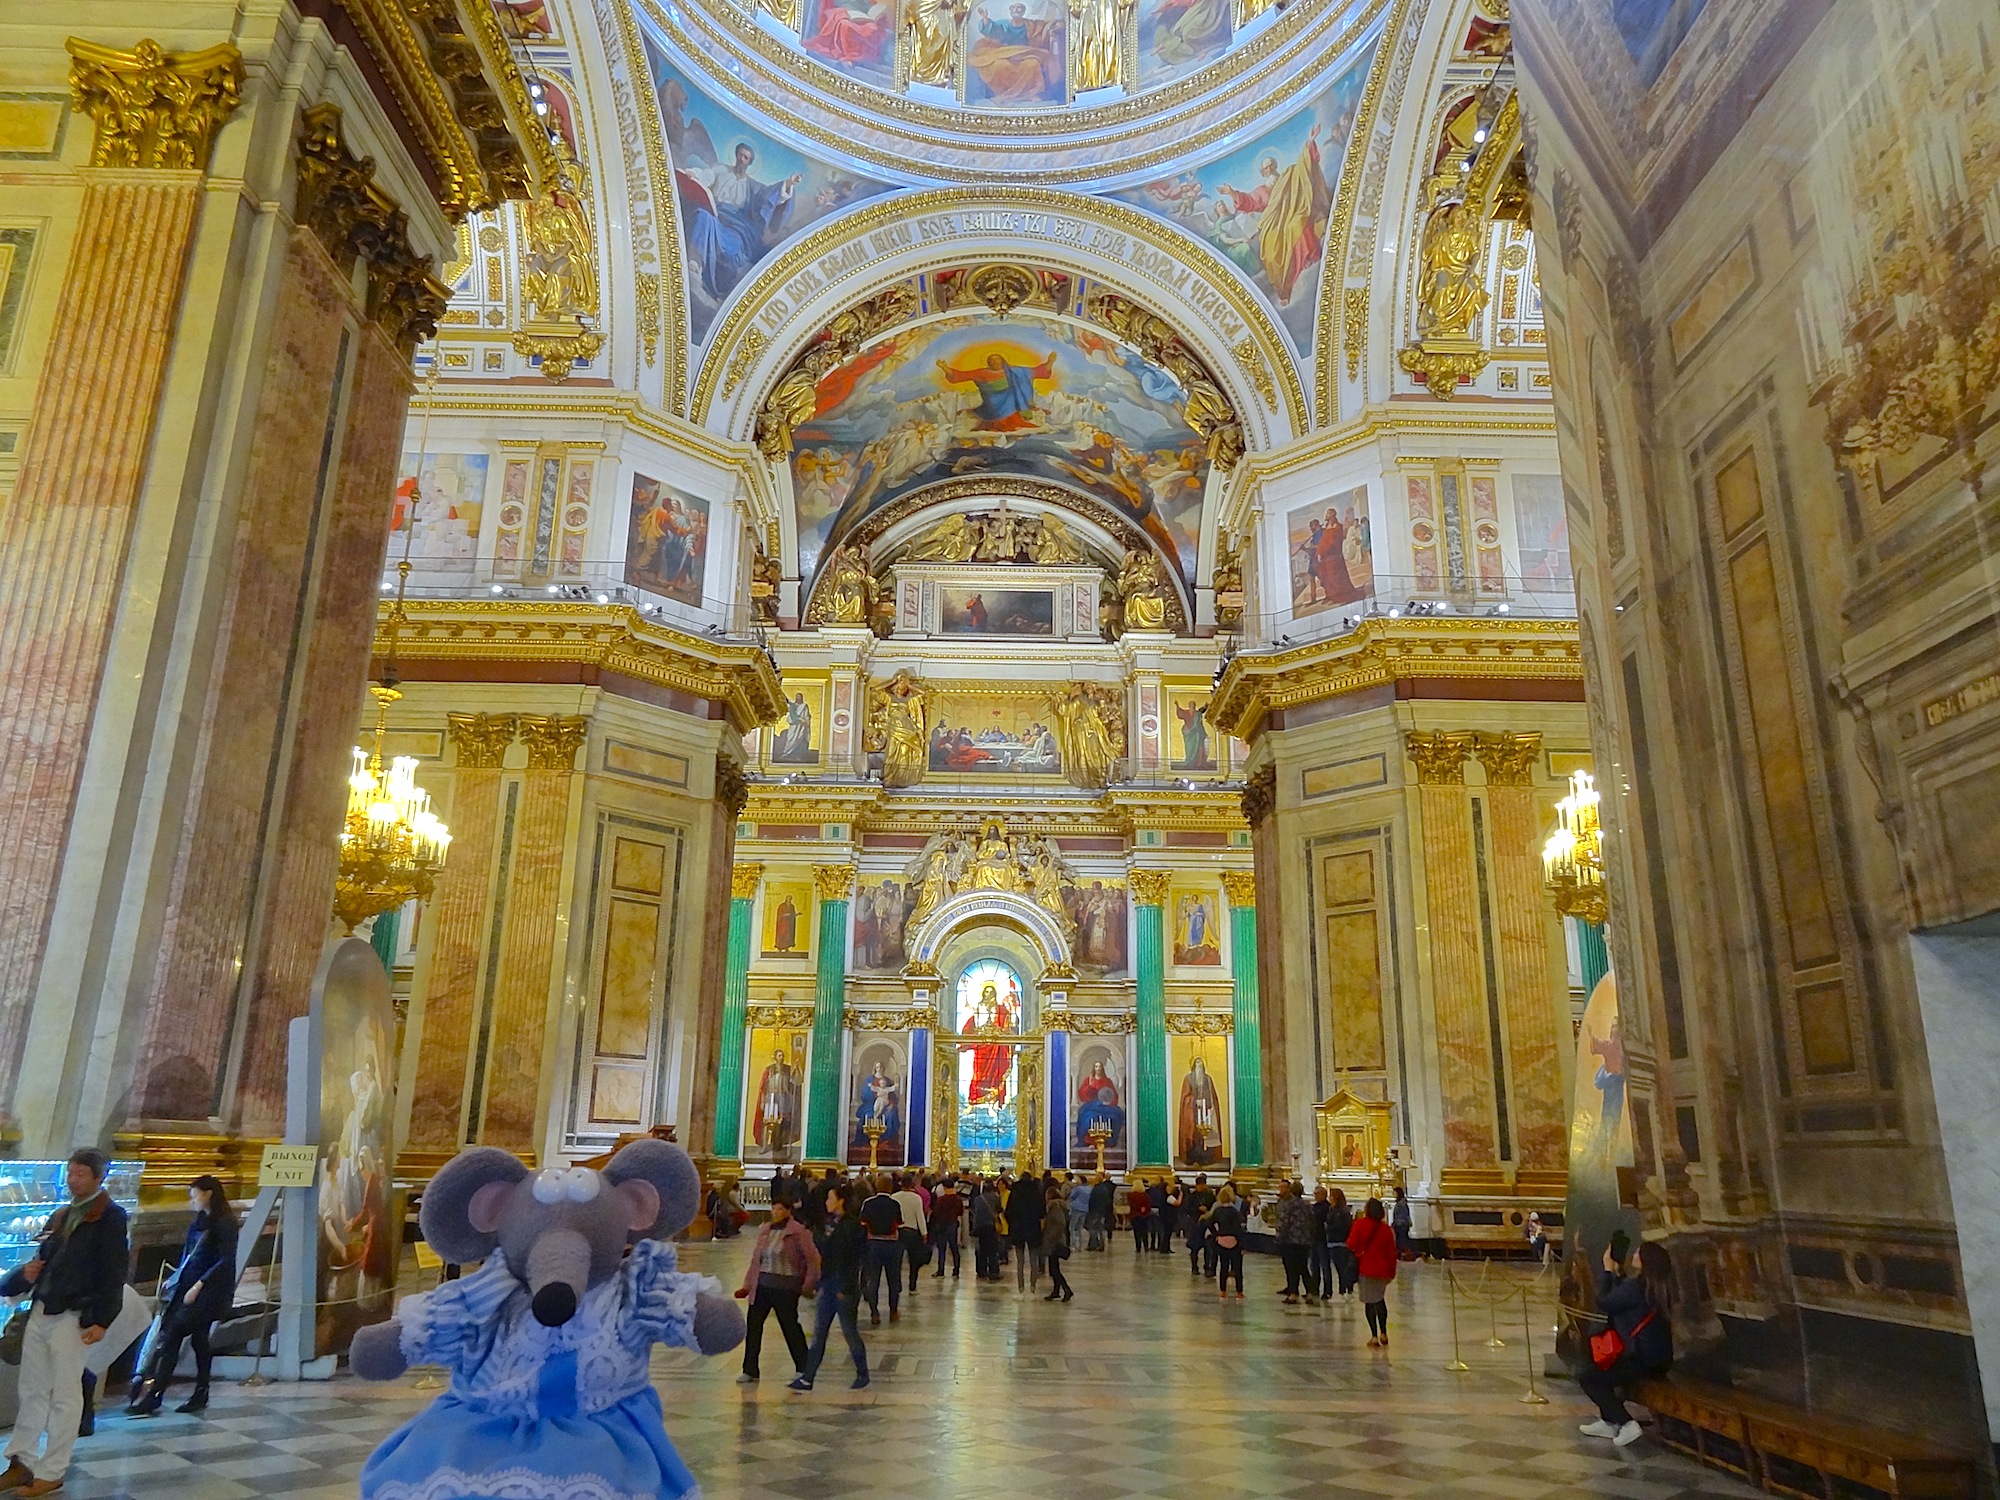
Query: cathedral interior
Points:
[1021, 584]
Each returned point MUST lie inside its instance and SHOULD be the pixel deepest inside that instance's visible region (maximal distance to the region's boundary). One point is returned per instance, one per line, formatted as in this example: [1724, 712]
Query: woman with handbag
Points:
[1637, 1342]
[1374, 1245]
[1055, 1242]
[201, 1290]
[1224, 1223]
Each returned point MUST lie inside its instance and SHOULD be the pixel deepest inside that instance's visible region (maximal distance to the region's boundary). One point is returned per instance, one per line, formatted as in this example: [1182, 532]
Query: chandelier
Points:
[392, 845]
[1573, 857]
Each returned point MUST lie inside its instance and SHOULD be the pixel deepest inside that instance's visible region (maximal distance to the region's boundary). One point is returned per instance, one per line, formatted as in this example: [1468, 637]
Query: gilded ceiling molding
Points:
[666, 232]
[1382, 651]
[1146, 243]
[154, 109]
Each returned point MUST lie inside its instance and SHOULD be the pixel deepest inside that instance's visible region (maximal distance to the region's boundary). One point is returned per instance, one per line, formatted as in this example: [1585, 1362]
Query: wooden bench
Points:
[1789, 1451]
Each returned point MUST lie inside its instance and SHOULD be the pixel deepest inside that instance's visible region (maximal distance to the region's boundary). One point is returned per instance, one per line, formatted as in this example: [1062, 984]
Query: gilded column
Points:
[835, 884]
[1241, 886]
[1464, 1035]
[1534, 1072]
[64, 534]
[728, 1142]
[510, 1081]
[1149, 895]
[444, 1044]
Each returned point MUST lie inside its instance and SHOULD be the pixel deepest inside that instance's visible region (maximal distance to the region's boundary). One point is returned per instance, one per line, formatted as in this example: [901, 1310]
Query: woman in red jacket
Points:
[1374, 1245]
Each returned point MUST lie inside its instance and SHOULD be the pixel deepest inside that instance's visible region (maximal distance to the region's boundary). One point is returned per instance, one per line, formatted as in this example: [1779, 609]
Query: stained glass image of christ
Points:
[989, 1004]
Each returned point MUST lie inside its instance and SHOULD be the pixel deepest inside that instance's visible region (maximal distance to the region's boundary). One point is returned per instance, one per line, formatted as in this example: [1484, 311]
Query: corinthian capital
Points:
[154, 108]
[1440, 756]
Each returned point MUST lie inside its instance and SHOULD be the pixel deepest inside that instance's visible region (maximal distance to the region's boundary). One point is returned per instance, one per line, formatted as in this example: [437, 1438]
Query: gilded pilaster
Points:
[1464, 1037]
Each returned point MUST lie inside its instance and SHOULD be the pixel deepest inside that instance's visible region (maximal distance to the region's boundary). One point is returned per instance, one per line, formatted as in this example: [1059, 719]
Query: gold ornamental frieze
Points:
[1101, 1023]
[154, 109]
[779, 1017]
[1200, 1023]
[912, 1018]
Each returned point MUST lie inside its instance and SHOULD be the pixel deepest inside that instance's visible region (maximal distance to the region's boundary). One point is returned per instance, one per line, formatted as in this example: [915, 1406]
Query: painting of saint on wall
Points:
[881, 1068]
[1264, 206]
[881, 911]
[978, 395]
[1332, 552]
[991, 735]
[666, 541]
[774, 1093]
[1541, 531]
[855, 37]
[1178, 36]
[740, 191]
[1199, 1068]
[1016, 53]
[1097, 1099]
[998, 611]
[788, 916]
[797, 740]
[1097, 907]
[1197, 939]
[1193, 744]
[440, 501]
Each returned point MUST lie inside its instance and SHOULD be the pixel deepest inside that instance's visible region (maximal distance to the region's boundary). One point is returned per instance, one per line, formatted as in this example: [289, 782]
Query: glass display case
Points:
[32, 1190]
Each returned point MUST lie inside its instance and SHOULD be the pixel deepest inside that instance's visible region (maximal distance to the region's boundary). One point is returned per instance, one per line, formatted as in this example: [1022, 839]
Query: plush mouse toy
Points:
[548, 1343]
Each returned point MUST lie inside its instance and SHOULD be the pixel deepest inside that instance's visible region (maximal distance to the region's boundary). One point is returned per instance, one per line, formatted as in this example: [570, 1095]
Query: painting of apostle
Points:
[1098, 910]
[792, 742]
[787, 919]
[856, 37]
[1197, 750]
[774, 1115]
[1198, 1138]
[1195, 938]
[1332, 552]
[879, 915]
[1016, 54]
[666, 548]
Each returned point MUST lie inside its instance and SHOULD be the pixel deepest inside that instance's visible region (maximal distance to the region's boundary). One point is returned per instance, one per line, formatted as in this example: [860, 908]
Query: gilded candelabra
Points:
[1098, 1134]
[1573, 856]
[874, 1128]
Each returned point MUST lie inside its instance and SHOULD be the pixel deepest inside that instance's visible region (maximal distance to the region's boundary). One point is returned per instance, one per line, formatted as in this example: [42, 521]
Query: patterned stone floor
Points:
[1145, 1385]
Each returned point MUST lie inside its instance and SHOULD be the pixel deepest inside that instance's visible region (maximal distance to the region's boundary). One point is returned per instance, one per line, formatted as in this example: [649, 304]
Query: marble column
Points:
[835, 884]
[1529, 982]
[707, 1099]
[1260, 802]
[510, 1082]
[1149, 895]
[1458, 996]
[65, 532]
[1247, 1042]
[1593, 957]
[727, 1140]
[444, 1043]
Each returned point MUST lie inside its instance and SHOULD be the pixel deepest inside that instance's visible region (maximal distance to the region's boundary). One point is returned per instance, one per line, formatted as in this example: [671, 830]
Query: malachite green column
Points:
[1249, 1038]
[1591, 955]
[835, 883]
[1149, 893]
[728, 1144]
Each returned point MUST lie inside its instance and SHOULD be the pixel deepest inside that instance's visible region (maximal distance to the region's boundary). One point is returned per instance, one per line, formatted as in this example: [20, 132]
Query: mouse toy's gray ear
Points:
[660, 1185]
[460, 1216]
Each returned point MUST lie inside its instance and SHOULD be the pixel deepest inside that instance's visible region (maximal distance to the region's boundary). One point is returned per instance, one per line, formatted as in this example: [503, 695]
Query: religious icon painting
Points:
[989, 1006]
[881, 911]
[1197, 929]
[855, 37]
[1193, 748]
[800, 737]
[879, 1069]
[1103, 931]
[1097, 1104]
[666, 541]
[788, 915]
[998, 611]
[437, 511]
[991, 734]
[1016, 54]
[774, 1093]
[1332, 552]
[1541, 532]
[1179, 36]
[1198, 1070]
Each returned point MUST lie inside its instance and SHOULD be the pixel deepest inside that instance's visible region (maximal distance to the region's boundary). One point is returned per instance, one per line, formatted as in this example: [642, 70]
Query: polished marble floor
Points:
[1145, 1385]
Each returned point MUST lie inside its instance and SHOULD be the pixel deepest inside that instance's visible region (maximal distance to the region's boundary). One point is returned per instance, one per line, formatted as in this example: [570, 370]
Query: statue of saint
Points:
[1094, 33]
[899, 728]
[953, 540]
[933, 27]
[1144, 592]
[1452, 292]
[1053, 544]
[1090, 724]
[844, 589]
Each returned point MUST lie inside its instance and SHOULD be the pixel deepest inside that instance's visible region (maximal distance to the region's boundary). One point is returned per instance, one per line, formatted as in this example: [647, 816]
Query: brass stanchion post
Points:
[1451, 1297]
[1533, 1397]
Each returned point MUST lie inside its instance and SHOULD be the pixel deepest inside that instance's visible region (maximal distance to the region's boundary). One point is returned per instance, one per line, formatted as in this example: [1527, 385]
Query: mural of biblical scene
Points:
[1653, 30]
[985, 395]
[1541, 530]
[989, 998]
[740, 192]
[774, 1105]
[880, 1069]
[1265, 205]
[360, 1210]
[1178, 36]
[999, 611]
[881, 911]
[1197, 932]
[788, 918]
[1600, 1147]
[981, 735]
[437, 510]
[666, 541]
[798, 738]
[1097, 1099]
[1016, 53]
[1198, 1072]
[1102, 945]
[1192, 745]
[855, 37]
[1332, 552]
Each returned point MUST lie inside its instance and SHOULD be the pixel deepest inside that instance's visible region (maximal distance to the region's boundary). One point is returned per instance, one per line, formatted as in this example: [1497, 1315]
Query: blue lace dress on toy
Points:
[537, 1413]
